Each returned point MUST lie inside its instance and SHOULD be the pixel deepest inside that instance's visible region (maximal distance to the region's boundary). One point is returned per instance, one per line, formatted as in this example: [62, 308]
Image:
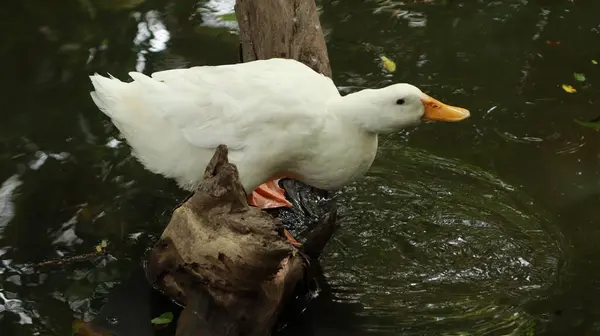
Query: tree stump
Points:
[227, 262]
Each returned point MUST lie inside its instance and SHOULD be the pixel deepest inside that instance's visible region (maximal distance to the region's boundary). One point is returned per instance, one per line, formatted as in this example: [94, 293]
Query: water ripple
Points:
[439, 247]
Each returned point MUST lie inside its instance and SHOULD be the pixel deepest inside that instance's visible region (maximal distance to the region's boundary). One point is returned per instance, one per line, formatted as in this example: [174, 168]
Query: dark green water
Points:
[486, 227]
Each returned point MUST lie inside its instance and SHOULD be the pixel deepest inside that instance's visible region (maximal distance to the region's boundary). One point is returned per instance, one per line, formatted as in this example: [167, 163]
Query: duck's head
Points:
[395, 107]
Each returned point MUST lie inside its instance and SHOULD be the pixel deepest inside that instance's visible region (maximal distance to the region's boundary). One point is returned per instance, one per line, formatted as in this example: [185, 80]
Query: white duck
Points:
[278, 117]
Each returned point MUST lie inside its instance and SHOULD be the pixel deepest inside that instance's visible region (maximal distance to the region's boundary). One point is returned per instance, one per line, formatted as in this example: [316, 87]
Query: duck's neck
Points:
[358, 109]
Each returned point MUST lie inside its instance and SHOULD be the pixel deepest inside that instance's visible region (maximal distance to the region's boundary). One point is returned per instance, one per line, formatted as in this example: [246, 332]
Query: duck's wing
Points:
[238, 104]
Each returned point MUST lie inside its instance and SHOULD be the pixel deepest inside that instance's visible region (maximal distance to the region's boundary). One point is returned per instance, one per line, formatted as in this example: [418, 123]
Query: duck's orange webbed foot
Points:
[270, 195]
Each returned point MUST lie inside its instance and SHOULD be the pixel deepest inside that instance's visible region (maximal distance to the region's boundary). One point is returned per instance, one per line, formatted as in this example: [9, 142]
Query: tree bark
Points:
[285, 29]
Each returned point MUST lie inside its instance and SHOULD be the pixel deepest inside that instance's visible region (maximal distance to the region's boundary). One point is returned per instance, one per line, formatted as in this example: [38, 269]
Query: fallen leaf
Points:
[388, 64]
[579, 76]
[568, 88]
[553, 42]
[103, 244]
[594, 125]
[594, 62]
[81, 328]
[76, 325]
[164, 318]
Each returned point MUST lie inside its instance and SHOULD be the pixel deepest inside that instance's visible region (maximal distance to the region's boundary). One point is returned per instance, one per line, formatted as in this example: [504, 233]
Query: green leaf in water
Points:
[589, 124]
[103, 244]
[579, 76]
[164, 318]
[388, 64]
[568, 88]
[594, 62]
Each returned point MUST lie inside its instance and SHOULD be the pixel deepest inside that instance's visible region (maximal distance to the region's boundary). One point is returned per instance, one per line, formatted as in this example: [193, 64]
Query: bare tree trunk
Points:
[286, 29]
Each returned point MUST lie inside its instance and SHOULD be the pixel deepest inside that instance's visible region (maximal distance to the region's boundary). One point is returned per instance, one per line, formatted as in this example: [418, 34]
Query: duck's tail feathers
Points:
[105, 92]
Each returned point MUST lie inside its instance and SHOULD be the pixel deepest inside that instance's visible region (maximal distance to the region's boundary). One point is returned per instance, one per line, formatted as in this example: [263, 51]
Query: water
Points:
[485, 227]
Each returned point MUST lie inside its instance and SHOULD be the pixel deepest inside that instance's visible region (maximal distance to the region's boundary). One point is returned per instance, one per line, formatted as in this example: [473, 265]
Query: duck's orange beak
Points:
[435, 110]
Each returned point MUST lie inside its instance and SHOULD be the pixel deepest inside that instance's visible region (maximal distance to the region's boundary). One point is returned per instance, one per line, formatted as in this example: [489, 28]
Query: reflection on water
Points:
[486, 227]
[455, 249]
[150, 31]
[219, 14]
[7, 206]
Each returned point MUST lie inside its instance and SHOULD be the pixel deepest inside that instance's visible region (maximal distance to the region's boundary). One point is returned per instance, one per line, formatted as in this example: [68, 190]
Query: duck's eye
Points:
[400, 101]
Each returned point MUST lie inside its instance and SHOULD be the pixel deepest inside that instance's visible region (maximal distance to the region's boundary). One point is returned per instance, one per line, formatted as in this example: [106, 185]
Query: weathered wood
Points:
[286, 29]
[227, 262]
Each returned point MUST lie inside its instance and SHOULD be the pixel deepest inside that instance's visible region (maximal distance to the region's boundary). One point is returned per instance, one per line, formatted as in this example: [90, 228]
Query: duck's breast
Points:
[338, 157]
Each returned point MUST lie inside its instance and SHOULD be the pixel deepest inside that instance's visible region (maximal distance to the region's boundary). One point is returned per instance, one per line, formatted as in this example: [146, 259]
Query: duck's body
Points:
[278, 118]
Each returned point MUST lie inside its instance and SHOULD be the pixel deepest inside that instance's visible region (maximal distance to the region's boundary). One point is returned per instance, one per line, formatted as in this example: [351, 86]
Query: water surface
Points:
[485, 227]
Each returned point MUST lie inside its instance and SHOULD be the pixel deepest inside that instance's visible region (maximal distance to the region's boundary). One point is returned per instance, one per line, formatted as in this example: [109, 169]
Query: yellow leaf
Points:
[98, 248]
[594, 62]
[82, 328]
[568, 88]
[388, 64]
[77, 324]
[103, 243]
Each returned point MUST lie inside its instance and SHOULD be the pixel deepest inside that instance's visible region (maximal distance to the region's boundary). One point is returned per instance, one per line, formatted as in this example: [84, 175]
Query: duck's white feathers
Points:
[175, 119]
